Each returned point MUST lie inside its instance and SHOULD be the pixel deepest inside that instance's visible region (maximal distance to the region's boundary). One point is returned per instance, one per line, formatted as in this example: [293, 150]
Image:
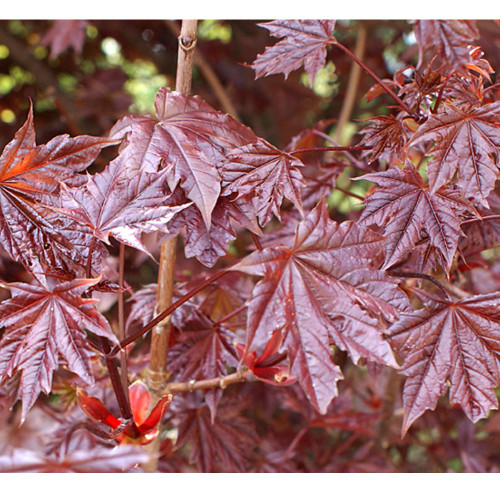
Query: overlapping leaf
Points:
[449, 39]
[45, 323]
[450, 343]
[466, 146]
[386, 136]
[122, 204]
[203, 350]
[325, 289]
[30, 174]
[262, 175]
[304, 43]
[222, 445]
[190, 134]
[404, 206]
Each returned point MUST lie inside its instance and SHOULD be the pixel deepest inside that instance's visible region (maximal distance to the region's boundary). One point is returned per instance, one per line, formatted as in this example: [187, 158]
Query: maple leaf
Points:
[192, 136]
[450, 40]
[95, 460]
[30, 175]
[121, 204]
[263, 175]
[386, 135]
[226, 441]
[325, 289]
[467, 143]
[304, 43]
[450, 343]
[404, 206]
[42, 323]
[203, 350]
[63, 34]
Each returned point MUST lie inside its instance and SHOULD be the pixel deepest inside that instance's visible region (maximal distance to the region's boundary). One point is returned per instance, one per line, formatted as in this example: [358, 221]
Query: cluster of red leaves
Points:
[389, 290]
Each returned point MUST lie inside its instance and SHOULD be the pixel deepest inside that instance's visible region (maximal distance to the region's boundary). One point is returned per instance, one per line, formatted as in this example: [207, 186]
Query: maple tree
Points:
[217, 273]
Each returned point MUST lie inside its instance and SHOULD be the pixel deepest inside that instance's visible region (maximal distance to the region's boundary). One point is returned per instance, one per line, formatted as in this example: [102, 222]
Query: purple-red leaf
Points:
[192, 136]
[466, 146]
[261, 175]
[43, 324]
[404, 206]
[30, 174]
[324, 290]
[122, 204]
[203, 350]
[222, 445]
[450, 344]
[304, 43]
[449, 39]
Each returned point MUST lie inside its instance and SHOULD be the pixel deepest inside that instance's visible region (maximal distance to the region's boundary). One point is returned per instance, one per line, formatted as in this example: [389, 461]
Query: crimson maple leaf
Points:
[386, 135]
[30, 175]
[325, 289]
[43, 323]
[453, 344]
[404, 206]
[192, 136]
[202, 350]
[449, 39]
[226, 441]
[262, 175]
[467, 145]
[304, 43]
[121, 203]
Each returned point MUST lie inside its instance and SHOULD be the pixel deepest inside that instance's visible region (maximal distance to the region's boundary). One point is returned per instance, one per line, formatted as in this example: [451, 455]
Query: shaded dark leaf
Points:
[227, 442]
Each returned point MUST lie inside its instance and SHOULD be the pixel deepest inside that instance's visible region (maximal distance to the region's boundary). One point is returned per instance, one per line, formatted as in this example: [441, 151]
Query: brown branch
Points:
[210, 76]
[167, 312]
[433, 280]
[157, 375]
[352, 84]
[203, 385]
[160, 339]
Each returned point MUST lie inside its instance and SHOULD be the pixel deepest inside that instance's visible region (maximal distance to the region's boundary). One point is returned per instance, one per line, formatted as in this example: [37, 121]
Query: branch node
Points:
[187, 44]
[191, 384]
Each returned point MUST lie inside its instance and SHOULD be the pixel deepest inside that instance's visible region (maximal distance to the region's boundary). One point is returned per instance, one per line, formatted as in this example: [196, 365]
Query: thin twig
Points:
[348, 193]
[203, 385]
[329, 148]
[167, 312]
[375, 77]
[433, 280]
[121, 317]
[114, 374]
